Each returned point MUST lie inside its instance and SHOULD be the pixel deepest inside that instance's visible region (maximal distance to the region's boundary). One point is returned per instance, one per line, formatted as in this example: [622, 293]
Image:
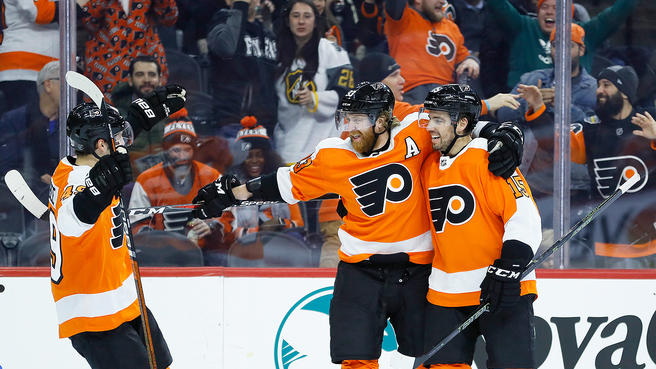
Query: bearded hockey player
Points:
[91, 275]
[386, 248]
[477, 219]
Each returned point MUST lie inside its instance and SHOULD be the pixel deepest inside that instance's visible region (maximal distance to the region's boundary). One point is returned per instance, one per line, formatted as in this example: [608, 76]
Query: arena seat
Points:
[161, 248]
[269, 250]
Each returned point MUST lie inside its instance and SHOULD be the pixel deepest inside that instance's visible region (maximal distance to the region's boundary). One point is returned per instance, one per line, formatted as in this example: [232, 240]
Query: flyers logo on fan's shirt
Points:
[439, 44]
[612, 172]
[452, 203]
[391, 182]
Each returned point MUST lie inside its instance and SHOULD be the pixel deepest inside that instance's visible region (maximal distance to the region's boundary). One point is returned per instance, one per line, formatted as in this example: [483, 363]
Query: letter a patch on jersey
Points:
[391, 182]
[452, 203]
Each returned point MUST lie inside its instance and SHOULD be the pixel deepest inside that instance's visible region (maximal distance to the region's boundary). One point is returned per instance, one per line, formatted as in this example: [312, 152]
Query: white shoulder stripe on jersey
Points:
[283, 176]
[477, 143]
[355, 246]
[96, 304]
[461, 282]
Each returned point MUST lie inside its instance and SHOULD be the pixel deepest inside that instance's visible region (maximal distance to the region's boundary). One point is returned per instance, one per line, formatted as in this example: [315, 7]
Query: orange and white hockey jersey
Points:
[427, 52]
[473, 212]
[29, 38]
[385, 204]
[91, 273]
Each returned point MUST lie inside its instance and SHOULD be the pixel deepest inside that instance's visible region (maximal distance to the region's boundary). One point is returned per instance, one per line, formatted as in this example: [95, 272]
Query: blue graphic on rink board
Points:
[299, 337]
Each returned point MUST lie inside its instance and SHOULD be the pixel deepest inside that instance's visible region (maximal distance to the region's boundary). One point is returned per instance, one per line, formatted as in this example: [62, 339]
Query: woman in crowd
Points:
[312, 74]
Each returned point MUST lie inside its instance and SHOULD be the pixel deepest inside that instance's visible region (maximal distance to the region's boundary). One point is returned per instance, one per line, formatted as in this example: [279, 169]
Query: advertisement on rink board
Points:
[225, 322]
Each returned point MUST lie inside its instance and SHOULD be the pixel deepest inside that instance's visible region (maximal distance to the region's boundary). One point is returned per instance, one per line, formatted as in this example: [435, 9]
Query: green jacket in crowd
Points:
[530, 48]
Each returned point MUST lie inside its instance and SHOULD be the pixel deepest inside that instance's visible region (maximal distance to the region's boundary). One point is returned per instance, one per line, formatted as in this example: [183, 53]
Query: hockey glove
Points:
[156, 106]
[506, 145]
[105, 180]
[110, 174]
[215, 197]
[501, 286]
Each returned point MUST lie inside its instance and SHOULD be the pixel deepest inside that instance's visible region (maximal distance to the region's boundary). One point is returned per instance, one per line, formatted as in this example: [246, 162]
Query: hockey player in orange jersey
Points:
[485, 229]
[386, 249]
[91, 276]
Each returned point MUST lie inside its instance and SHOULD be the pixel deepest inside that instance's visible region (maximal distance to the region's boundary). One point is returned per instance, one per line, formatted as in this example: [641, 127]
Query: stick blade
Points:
[80, 82]
[24, 194]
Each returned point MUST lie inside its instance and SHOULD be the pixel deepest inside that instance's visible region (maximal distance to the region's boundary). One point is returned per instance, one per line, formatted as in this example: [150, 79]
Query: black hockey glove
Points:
[501, 286]
[110, 174]
[156, 106]
[506, 145]
[105, 180]
[215, 197]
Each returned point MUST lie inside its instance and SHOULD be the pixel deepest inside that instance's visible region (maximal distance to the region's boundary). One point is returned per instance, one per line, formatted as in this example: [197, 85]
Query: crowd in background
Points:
[264, 78]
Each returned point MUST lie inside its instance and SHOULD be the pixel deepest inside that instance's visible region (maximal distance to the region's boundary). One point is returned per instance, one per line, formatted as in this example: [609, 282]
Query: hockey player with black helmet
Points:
[485, 230]
[91, 274]
[386, 249]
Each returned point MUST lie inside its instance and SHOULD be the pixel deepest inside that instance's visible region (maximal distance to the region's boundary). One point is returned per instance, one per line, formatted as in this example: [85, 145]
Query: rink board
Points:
[238, 318]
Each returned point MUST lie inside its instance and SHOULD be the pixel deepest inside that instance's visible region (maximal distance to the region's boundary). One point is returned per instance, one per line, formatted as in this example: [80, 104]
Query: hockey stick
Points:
[23, 193]
[533, 264]
[82, 83]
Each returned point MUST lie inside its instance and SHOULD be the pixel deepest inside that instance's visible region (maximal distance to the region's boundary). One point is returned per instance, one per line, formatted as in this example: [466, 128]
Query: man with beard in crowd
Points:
[145, 74]
[615, 144]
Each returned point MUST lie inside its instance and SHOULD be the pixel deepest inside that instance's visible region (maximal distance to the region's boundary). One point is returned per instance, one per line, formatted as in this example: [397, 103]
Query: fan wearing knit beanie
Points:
[174, 181]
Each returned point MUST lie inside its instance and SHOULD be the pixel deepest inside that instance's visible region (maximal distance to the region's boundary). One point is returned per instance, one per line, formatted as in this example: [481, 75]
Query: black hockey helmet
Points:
[86, 124]
[371, 98]
[456, 100]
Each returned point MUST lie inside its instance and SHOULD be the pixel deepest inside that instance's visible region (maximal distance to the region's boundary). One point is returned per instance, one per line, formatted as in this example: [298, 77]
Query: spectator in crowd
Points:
[494, 49]
[195, 19]
[312, 74]
[380, 67]
[429, 61]
[254, 156]
[29, 139]
[614, 144]
[530, 48]
[29, 38]
[119, 31]
[538, 157]
[243, 54]
[144, 75]
[371, 31]
[175, 181]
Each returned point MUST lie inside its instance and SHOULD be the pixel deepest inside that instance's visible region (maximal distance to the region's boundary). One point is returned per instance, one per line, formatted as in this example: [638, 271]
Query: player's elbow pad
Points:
[88, 207]
[516, 250]
[265, 188]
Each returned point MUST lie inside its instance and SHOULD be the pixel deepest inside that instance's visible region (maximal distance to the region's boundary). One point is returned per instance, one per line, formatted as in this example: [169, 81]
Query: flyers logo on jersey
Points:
[391, 182]
[612, 172]
[452, 203]
[439, 44]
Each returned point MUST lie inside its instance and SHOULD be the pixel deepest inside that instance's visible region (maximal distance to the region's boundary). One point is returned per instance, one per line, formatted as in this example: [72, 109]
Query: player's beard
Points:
[366, 141]
[609, 105]
[144, 89]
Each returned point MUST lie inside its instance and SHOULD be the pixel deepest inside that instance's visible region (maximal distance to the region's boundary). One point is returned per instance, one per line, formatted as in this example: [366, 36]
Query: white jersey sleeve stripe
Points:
[525, 224]
[284, 179]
